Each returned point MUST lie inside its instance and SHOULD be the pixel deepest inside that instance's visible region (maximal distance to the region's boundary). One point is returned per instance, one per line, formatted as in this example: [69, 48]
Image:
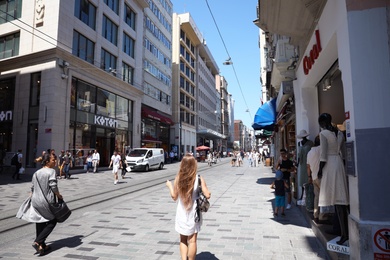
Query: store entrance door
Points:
[105, 144]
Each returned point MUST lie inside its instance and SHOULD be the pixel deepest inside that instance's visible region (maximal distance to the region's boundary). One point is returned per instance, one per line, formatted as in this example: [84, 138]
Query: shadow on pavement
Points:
[70, 242]
[206, 256]
[266, 181]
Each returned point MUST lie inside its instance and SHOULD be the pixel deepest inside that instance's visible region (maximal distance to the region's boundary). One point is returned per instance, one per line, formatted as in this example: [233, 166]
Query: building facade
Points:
[156, 111]
[196, 109]
[70, 76]
[339, 41]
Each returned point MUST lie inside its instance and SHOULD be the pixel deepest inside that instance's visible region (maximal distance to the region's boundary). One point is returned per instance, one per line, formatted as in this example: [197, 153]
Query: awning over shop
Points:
[265, 116]
[146, 112]
[209, 133]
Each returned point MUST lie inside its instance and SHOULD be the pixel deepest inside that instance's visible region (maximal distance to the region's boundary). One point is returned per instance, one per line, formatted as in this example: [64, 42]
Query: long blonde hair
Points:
[185, 179]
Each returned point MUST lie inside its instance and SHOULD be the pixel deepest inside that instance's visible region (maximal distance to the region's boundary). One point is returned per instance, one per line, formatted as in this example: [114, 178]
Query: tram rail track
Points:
[8, 222]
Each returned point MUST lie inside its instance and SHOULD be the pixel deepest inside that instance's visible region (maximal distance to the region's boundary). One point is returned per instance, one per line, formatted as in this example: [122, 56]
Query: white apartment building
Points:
[195, 98]
[71, 76]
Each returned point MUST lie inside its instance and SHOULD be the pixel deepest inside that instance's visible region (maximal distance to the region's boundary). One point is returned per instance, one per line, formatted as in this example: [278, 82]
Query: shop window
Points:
[105, 103]
[122, 108]
[86, 96]
[86, 12]
[7, 96]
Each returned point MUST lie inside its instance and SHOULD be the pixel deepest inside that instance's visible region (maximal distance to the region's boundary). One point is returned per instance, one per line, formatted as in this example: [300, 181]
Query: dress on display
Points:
[334, 186]
[302, 167]
[185, 220]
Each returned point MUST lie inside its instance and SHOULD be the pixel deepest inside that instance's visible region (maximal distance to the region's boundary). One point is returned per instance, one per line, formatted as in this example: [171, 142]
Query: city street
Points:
[135, 218]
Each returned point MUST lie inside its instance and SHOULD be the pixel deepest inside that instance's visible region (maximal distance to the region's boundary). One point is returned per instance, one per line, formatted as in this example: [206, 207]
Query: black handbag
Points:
[59, 208]
[202, 203]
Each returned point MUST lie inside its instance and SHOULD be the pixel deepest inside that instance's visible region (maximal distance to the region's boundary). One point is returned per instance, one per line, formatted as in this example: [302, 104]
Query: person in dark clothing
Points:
[286, 166]
[18, 165]
[280, 187]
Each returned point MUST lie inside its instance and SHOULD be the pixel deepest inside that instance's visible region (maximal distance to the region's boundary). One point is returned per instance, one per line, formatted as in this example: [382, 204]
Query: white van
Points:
[145, 159]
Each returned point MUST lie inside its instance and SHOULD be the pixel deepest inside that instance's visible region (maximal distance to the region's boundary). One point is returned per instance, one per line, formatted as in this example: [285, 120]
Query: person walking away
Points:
[89, 161]
[280, 187]
[95, 160]
[44, 184]
[60, 162]
[115, 163]
[286, 166]
[18, 165]
[171, 156]
[185, 190]
[124, 164]
[67, 164]
[209, 158]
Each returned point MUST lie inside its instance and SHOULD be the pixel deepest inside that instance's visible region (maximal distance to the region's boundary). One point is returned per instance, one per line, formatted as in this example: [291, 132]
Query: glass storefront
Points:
[7, 96]
[154, 134]
[99, 120]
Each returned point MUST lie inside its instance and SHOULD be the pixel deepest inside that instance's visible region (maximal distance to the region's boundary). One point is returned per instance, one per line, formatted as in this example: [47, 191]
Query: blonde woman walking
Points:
[185, 189]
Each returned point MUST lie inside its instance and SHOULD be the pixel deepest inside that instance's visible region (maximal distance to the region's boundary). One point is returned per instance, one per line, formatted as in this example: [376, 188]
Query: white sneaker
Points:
[115, 182]
[288, 206]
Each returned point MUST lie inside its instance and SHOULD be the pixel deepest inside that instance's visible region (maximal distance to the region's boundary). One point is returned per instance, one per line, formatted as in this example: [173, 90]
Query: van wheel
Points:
[146, 168]
[161, 166]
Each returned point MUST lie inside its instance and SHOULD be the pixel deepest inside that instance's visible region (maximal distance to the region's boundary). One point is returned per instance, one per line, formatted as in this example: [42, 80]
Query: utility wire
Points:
[229, 59]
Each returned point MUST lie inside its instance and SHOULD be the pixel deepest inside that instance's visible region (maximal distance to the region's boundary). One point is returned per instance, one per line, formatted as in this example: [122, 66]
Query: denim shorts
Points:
[280, 201]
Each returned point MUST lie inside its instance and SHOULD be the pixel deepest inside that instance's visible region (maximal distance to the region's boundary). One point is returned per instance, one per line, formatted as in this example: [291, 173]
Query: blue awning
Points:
[265, 117]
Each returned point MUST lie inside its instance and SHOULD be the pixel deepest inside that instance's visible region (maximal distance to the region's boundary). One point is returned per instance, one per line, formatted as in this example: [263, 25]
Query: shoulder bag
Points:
[202, 203]
[59, 208]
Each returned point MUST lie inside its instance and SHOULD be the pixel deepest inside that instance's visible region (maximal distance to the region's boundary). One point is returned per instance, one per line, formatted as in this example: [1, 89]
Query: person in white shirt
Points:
[115, 163]
[95, 160]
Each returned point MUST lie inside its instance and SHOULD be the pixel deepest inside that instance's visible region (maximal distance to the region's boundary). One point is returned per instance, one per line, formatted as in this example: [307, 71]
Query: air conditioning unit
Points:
[284, 51]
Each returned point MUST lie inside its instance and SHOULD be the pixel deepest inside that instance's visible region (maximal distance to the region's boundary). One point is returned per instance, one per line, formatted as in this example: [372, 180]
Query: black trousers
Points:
[16, 173]
[43, 230]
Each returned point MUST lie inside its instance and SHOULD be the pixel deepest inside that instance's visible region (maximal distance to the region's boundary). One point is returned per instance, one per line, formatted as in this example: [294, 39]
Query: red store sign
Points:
[308, 61]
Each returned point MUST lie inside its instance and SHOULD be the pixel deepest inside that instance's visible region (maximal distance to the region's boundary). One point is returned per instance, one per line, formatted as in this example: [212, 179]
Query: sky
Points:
[240, 36]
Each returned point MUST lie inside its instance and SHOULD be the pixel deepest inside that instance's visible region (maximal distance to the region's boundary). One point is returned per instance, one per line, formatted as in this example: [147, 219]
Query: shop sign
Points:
[333, 246]
[314, 53]
[5, 115]
[105, 121]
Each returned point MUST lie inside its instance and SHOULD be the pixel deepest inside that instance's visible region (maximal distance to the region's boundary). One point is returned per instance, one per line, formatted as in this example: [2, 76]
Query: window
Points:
[110, 30]
[113, 4]
[86, 96]
[10, 10]
[9, 45]
[108, 61]
[105, 103]
[86, 12]
[129, 17]
[127, 73]
[83, 47]
[182, 82]
[122, 108]
[128, 45]
[35, 90]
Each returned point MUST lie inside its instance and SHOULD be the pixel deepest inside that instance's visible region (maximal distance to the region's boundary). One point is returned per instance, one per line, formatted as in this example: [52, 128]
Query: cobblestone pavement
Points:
[140, 224]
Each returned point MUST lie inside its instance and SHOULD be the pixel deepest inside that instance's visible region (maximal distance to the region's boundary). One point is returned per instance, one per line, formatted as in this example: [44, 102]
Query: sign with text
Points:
[5, 115]
[105, 121]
